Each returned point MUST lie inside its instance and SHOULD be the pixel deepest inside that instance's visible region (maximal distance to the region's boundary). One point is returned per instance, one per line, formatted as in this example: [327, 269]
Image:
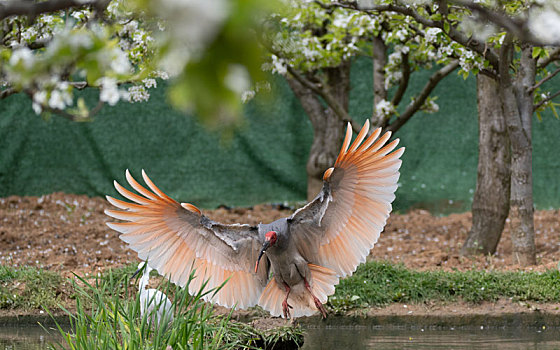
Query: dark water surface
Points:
[330, 337]
[349, 337]
[27, 337]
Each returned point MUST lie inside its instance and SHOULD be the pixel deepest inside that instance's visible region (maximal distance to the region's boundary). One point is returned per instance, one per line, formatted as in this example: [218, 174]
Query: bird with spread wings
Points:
[290, 266]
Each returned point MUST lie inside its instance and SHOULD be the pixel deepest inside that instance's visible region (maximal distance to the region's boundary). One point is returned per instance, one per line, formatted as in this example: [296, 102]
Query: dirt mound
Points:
[66, 232]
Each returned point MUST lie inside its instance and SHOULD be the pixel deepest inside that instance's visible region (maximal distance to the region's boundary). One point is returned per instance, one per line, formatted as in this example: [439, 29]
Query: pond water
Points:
[394, 337]
[331, 337]
[27, 337]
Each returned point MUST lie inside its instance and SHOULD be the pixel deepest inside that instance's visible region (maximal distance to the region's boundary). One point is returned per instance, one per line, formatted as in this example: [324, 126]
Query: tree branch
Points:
[546, 100]
[7, 92]
[74, 117]
[422, 96]
[327, 97]
[80, 85]
[517, 26]
[403, 84]
[544, 80]
[553, 56]
[33, 9]
[453, 33]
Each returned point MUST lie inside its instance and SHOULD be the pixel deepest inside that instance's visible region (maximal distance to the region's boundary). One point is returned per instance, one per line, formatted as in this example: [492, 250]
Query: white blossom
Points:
[37, 108]
[468, 61]
[149, 83]
[119, 62]
[395, 58]
[278, 65]
[161, 74]
[430, 106]
[431, 34]
[60, 99]
[237, 78]
[403, 49]
[77, 40]
[445, 51]
[384, 108]
[39, 99]
[401, 34]
[545, 24]
[138, 93]
[23, 55]
[109, 91]
[129, 27]
[247, 95]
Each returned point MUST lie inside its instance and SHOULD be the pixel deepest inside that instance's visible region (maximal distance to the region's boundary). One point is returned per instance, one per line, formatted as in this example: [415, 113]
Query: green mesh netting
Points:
[264, 161]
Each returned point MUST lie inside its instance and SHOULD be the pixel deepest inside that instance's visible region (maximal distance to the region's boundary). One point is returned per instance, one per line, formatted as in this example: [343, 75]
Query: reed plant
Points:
[107, 316]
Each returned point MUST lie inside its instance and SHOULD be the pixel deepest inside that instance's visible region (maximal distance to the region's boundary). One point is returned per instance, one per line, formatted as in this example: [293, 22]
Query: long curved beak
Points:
[136, 273]
[265, 246]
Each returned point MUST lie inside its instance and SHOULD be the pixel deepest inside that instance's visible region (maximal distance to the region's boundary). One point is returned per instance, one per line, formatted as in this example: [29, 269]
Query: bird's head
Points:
[269, 240]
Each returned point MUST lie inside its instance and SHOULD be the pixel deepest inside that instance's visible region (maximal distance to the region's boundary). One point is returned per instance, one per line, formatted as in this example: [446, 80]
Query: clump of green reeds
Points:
[107, 316]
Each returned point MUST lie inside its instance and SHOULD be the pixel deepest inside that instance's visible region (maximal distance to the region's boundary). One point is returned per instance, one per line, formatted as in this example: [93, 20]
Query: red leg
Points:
[318, 303]
[285, 306]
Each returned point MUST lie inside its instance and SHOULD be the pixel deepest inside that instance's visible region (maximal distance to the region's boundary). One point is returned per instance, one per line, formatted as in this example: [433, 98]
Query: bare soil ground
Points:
[67, 233]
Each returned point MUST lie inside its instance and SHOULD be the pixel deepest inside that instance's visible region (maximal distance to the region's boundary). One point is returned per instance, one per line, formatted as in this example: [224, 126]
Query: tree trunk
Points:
[518, 105]
[328, 127]
[492, 196]
[379, 91]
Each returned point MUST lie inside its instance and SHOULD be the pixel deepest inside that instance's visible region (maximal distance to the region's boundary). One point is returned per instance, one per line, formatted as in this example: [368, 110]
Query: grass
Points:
[373, 284]
[108, 316]
[29, 288]
[382, 283]
[106, 313]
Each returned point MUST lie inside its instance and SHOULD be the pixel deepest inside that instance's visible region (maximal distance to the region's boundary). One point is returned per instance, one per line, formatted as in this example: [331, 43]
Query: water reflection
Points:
[350, 337]
[329, 337]
[27, 337]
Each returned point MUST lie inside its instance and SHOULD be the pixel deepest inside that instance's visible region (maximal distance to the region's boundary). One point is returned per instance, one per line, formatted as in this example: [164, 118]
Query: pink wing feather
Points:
[176, 238]
[342, 224]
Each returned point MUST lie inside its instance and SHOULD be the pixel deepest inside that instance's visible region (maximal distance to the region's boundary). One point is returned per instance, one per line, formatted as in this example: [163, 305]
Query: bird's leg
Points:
[285, 306]
[318, 303]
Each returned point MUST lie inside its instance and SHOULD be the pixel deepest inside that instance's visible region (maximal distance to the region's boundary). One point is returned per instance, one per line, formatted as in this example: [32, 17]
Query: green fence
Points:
[265, 160]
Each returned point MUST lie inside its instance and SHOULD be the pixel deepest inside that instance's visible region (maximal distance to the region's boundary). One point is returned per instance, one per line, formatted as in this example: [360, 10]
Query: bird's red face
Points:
[271, 237]
[269, 240]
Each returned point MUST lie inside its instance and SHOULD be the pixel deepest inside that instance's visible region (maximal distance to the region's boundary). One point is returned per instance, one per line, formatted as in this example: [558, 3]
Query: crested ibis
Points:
[288, 267]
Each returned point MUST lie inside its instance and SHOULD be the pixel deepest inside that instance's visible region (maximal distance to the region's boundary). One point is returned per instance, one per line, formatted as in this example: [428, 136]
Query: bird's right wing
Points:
[340, 226]
[176, 239]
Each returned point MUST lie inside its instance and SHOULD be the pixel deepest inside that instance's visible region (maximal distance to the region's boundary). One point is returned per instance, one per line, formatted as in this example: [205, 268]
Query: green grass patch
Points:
[29, 288]
[373, 284]
[381, 283]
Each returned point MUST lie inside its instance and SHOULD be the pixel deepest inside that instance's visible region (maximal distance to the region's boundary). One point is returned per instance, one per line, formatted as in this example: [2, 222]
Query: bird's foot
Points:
[286, 308]
[316, 300]
[320, 306]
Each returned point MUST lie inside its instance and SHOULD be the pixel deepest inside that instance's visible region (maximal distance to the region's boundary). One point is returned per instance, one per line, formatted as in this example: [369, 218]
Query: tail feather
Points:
[322, 283]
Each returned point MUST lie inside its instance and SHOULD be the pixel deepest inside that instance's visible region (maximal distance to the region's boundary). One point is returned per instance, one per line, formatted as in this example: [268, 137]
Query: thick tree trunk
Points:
[518, 105]
[328, 127]
[492, 196]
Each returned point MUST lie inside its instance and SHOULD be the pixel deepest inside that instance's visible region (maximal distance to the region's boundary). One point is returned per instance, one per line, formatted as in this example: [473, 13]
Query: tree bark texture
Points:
[518, 105]
[491, 200]
[379, 91]
[328, 127]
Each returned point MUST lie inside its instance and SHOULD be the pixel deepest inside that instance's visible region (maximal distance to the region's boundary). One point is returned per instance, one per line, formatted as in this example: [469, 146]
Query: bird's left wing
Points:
[177, 238]
[340, 226]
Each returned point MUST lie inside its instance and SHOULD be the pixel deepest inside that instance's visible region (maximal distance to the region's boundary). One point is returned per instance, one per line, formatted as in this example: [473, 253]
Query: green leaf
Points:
[554, 111]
